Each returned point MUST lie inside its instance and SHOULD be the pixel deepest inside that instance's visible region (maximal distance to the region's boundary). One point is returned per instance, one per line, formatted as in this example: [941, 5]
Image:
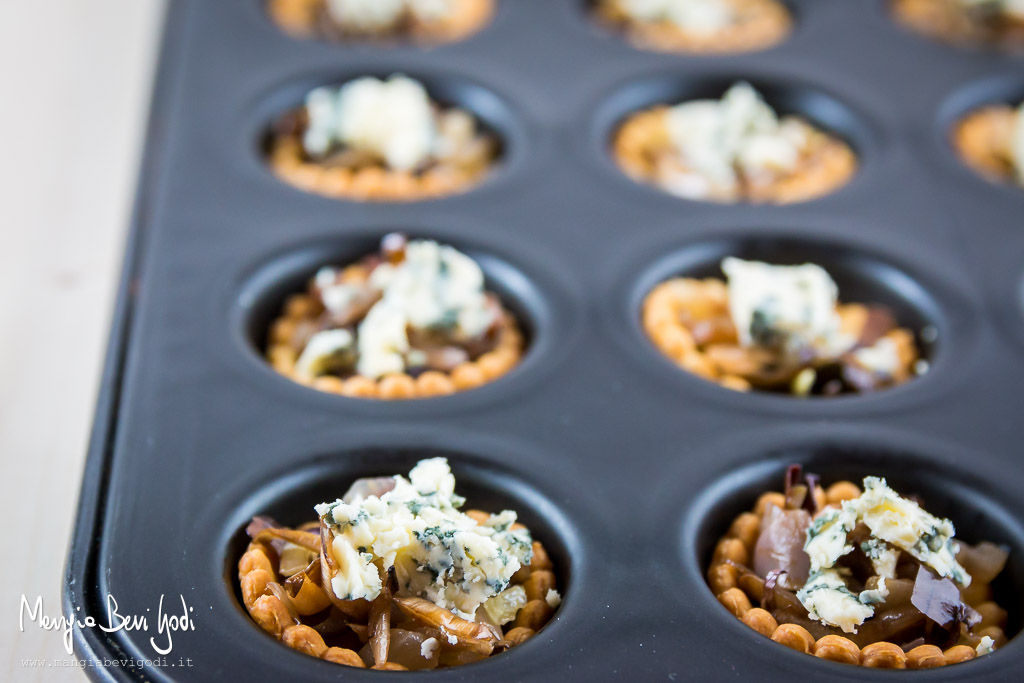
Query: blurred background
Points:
[76, 76]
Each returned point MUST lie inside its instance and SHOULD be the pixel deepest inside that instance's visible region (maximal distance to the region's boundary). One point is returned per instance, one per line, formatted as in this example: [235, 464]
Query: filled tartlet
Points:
[383, 140]
[410, 321]
[992, 22]
[420, 21]
[991, 141]
[736, 149]
[859, 576]
[779, 329]
[706, 26]
[394, 575]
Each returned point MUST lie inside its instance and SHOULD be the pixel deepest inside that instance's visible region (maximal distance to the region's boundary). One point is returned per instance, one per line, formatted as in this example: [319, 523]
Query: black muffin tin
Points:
[627, 468]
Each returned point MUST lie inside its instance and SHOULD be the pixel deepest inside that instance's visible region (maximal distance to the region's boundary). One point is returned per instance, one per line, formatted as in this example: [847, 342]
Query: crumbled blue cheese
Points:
[553, 598]
[435, 288]
[392, 119]
[438, 552]
[906, 525]
[716, 137]
[381, 15]
[383, 341]
[985, 646]
[828, 600]
[705, 17]
[883, 557]
[322, 349]
[896, 524]
[826, 537]
[876, 595]
[337, 296]
[428, 647]
[366, 15]
[784, 308]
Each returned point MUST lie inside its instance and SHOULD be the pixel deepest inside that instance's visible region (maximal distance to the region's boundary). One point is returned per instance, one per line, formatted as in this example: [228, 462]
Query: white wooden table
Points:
[75, 77]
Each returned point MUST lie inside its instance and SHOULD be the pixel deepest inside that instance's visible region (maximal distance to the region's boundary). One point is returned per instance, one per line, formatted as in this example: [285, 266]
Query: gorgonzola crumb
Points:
[883, 558]
[393, 119]
[705, 17]
[428, 647]
[438, 552]
[435, 288]
[826, 537]
[827, 599]
[906, 525]
[896, 525]
[322, 348]
[381, 15]
[715, 138]
[784, 308]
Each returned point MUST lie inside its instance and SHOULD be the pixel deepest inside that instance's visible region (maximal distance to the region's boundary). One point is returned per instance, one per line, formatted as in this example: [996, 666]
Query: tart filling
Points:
[996, 22]
[426, 21]
[859, 576]
[396, 576]
[413, 320]
[991, 140]
[710, 26]
[732, 150]
[380, 140]
[780, 329]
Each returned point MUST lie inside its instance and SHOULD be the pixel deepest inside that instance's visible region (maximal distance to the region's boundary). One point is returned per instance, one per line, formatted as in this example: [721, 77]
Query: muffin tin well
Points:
[624, 465]
[786, 96]
[264, 293]
[289, 496]
[492, 116]
[980, 510]
[1003, 89]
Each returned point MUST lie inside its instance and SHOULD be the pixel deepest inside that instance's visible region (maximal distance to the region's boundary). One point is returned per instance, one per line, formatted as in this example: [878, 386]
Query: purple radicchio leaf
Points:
[939, 600]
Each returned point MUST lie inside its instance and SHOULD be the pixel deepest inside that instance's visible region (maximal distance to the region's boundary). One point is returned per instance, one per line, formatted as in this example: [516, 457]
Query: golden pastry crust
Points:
[357, 177]
[310, 19]
[301, 317]
[984, 140]
[763, 23]
[297, 610]
[688, 320]
[947, 20]
[643, 149]
[740, 591]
